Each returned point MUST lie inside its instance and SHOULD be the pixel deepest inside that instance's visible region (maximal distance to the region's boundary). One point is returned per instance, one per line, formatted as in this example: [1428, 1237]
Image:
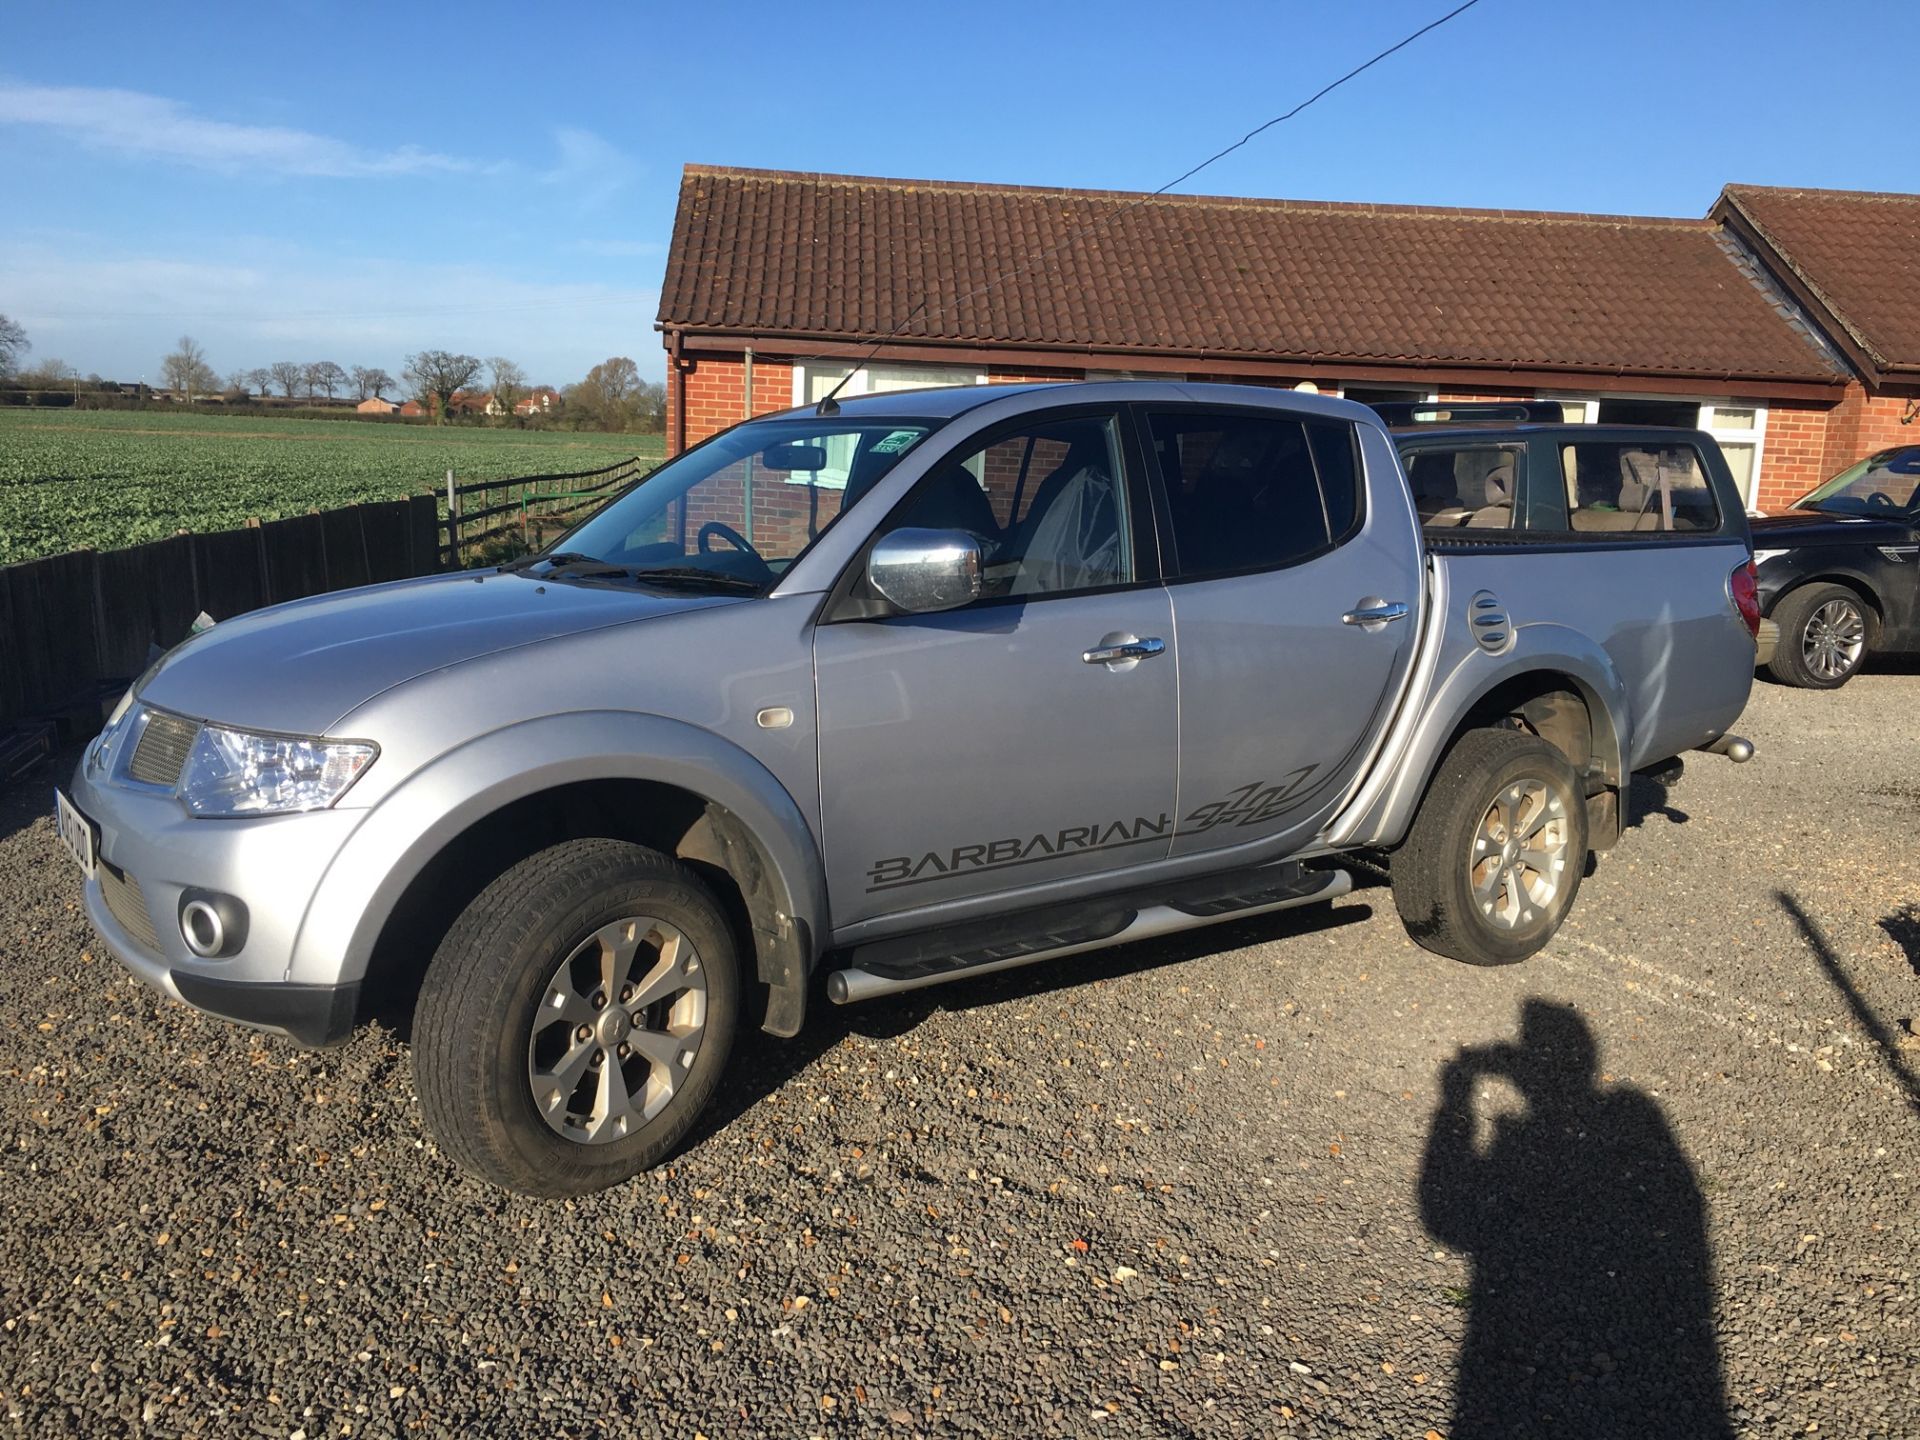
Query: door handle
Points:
[1118, 652]
[1373, 613]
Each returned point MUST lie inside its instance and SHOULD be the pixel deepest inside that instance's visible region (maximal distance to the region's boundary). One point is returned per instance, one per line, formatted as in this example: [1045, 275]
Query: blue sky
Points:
[340, 186]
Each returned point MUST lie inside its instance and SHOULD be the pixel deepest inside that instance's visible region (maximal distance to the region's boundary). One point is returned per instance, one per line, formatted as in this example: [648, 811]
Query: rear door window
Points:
[1637, 487]
[1255, 492]
[1471, 486]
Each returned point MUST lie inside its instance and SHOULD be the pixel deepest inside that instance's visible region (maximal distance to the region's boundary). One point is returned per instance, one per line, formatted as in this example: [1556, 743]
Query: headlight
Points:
[233, 773]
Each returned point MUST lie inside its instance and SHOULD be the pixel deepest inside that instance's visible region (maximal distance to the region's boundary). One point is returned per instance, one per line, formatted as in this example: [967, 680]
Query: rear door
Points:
[1297, 605]
[991, 749]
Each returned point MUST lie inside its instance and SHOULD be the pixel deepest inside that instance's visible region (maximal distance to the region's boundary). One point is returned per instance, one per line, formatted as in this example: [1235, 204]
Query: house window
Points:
[1741, 429]
[1388, 394]
[812, 383]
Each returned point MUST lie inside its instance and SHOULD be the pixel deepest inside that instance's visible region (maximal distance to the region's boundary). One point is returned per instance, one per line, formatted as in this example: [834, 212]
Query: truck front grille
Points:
[127, 905]
[162, 751]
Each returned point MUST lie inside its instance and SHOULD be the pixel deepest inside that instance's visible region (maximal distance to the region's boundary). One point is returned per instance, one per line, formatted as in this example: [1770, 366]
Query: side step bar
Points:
[890, 977]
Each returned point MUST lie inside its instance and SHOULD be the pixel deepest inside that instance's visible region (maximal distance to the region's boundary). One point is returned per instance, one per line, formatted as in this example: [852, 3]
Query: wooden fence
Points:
[534, 505]
[73, 625]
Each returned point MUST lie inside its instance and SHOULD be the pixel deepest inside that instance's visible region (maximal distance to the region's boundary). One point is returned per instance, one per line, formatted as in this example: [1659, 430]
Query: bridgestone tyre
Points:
[1493, 861]
[494, 991]
[1824, 631]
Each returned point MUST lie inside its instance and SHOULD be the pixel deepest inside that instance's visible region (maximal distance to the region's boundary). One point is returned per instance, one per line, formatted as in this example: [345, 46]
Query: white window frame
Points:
[858, 382]
[1754, 435]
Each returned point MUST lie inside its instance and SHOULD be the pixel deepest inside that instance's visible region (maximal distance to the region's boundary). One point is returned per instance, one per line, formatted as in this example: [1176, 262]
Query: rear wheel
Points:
[576, 1019]
[1823, 637]
[1494, 858]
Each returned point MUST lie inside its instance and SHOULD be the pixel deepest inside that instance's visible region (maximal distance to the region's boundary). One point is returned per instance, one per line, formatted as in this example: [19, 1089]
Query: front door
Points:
[1297, 613]
[1023, 742]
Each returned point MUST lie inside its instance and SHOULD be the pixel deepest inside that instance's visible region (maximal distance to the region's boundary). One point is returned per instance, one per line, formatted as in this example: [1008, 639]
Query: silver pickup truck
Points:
[864, 697]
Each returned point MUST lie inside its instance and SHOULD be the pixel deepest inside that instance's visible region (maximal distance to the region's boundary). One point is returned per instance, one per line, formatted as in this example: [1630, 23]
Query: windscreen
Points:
[746, 504]
[1885, 483]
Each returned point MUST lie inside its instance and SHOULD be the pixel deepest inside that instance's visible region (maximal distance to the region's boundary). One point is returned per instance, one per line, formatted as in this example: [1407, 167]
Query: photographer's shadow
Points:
[1590, 1311]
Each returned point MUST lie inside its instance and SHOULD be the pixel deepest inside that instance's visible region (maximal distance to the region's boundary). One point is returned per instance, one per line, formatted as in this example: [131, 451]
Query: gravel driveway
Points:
[1278, 1177]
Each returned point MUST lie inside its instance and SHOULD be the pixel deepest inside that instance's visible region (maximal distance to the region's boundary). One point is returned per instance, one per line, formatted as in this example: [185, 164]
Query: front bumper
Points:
[1766, 642]
[153, 853]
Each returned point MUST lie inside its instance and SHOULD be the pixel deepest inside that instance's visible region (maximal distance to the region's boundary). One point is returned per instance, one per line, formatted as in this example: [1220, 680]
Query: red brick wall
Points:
[1792, 459]
[716, 394]
[1861, 424]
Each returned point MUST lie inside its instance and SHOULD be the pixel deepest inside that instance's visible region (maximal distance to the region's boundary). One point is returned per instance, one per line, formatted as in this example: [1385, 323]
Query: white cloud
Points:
[588, 167]
[151, 126]
[117, 313]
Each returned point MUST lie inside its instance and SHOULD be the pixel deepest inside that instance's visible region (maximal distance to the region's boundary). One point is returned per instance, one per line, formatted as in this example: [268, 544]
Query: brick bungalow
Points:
[1786, 322]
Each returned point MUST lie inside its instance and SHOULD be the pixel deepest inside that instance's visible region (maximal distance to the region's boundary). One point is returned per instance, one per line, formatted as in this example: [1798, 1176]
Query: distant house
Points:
[375, 405]
[461, 403]
[542, 400]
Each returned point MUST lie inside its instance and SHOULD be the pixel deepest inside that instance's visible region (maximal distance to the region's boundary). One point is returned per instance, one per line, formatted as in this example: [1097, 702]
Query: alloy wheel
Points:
[1834, 638]
[620, 1023]
[1519, 854]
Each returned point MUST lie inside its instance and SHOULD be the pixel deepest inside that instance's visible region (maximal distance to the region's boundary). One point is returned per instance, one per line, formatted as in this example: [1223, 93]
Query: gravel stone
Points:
[1181, 1188]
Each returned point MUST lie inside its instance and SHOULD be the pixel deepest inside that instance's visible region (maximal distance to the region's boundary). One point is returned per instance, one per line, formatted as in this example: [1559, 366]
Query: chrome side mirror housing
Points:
[919, 572]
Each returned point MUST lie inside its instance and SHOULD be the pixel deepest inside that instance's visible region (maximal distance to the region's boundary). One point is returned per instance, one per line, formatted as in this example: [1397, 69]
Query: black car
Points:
[1839, 573]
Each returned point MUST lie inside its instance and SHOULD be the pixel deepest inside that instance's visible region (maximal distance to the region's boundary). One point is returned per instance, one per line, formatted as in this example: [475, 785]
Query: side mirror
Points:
[921, 571]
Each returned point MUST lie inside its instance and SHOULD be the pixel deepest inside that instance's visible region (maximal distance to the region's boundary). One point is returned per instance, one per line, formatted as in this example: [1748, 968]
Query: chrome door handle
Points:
[1114, 654]
[1372, 613]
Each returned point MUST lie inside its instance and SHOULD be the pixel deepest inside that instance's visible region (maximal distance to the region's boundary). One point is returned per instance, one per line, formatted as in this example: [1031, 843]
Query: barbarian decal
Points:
[1251, 804]
[1014, 850]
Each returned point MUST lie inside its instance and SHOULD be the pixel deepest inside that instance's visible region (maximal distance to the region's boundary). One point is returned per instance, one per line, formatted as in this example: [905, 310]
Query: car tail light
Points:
[1744, 587]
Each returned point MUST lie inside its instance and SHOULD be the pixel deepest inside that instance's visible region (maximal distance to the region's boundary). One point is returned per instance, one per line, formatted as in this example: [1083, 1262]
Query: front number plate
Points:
[76, 832]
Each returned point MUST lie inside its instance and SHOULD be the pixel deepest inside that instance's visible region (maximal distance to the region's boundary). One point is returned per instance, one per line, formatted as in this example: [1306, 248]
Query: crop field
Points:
[110, 478]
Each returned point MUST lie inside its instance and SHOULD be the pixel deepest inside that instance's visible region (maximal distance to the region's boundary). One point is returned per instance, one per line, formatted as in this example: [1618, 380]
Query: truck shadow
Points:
[1591, 1306]
[763, 1063]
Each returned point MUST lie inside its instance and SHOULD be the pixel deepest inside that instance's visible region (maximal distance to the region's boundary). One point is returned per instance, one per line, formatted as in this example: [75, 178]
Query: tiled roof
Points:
[846, 257]
[1856, 252]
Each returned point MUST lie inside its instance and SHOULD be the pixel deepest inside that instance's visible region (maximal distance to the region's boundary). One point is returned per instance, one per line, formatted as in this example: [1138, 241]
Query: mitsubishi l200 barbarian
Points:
[923, 686]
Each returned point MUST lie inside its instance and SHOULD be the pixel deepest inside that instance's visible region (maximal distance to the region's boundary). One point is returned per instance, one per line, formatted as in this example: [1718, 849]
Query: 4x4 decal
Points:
[1251, 804]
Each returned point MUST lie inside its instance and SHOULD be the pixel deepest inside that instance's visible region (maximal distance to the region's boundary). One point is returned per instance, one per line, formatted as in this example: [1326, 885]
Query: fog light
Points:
[214, 926]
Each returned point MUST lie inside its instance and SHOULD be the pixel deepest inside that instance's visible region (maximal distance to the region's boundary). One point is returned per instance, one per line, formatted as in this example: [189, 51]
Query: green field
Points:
[109, 478]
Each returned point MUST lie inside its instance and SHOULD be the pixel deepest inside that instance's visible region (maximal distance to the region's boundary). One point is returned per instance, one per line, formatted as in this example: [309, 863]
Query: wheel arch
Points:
[1558, 684]
[1876, 610]
[387, 896]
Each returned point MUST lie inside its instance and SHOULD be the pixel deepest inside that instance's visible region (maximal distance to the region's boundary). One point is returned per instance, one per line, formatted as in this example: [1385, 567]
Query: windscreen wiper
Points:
[559, 557]
[691, 575]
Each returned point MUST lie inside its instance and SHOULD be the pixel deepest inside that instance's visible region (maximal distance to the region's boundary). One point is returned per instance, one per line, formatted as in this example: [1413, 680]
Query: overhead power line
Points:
[920, 310]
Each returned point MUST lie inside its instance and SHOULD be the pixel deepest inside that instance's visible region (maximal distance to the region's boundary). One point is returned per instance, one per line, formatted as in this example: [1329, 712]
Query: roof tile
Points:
[1857, 251]
[831, 257]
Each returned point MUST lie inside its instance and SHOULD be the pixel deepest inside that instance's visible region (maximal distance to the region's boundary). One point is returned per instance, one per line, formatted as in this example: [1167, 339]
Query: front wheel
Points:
[576, 1019]
[1494, 858]
[1823, 637]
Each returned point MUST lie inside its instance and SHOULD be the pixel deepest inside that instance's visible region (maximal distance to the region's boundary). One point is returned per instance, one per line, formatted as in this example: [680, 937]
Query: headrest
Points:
[1500, 485]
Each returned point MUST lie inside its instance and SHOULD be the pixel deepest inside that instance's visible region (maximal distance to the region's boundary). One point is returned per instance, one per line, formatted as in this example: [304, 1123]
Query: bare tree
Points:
[370, 381]
[614, 397]
[47, 374]
[13, 344]
[288, 375]
[259, 378]
[439, 375]
[186, 370]
[509, 383]
[325, 376]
